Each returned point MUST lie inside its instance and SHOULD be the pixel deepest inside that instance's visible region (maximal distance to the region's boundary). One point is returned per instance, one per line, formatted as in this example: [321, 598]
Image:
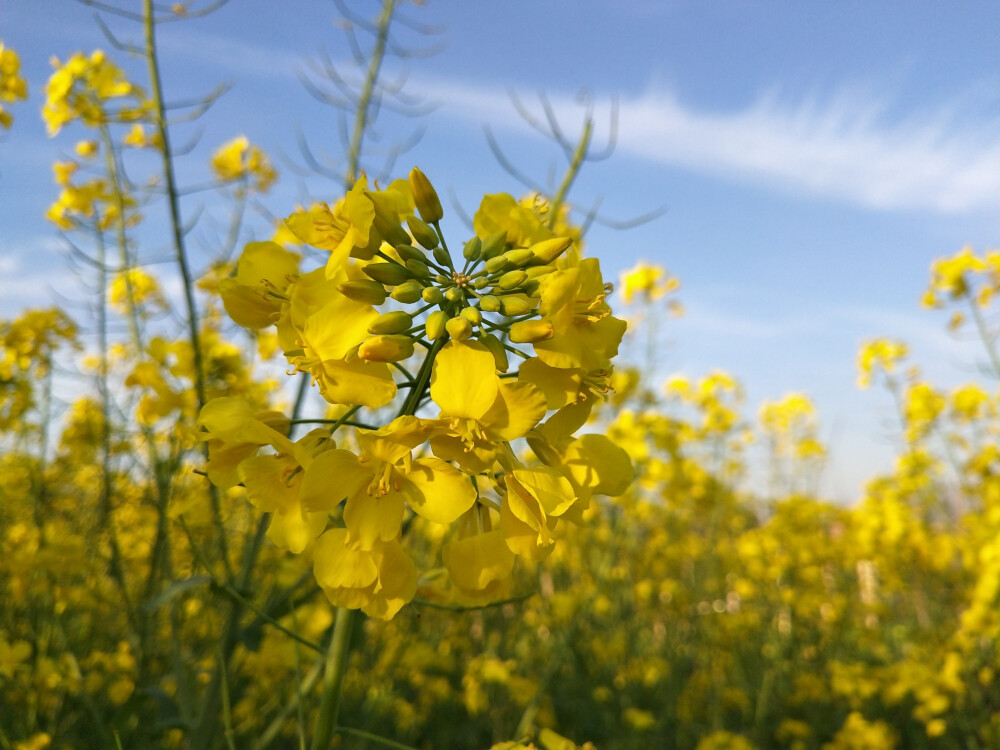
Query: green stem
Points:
[571, 172]
[333, 678]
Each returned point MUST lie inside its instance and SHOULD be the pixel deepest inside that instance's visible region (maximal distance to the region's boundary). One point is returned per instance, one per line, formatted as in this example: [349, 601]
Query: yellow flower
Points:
[238, 160]
[13, 87]
[254, 297]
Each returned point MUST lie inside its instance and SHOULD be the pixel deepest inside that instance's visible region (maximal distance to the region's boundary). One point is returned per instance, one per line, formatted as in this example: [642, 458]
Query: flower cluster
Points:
[80, 89]
[13, 87]
[393, 315]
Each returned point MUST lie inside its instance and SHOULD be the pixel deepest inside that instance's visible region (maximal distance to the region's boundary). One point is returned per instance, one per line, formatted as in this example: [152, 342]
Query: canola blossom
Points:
[393, 319]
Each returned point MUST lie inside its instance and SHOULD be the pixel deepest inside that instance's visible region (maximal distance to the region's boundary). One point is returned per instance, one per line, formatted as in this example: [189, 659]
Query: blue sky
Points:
[811, 158]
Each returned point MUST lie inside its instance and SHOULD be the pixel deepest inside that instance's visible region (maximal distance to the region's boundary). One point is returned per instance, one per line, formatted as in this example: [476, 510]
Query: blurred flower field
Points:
[495, 530]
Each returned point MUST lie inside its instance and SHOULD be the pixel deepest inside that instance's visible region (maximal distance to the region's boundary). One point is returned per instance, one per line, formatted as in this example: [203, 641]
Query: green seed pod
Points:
[436, 324]
[518, 258]
[386, 348]
[514, 306]
[531, 331]
[547, 251]
[495, 265]
[473, 249]
[489, 303]
[512, 279]
[407, 292]
[422, 232]
[442, 257]
[396, 321]
[492, 343]
[494, 245]
[409, 252]
[432, 295]
[363, 290]
[387, 273]
[459, 328]
[472, 314]
[418, 268]
[454, 294]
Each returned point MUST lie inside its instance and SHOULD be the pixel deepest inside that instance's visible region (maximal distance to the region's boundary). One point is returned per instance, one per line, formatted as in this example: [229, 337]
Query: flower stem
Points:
[333, 678]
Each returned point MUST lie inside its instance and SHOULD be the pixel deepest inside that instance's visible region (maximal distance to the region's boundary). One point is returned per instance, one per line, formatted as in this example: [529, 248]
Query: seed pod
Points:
[386, 273]
[489, 303]
[513, 306]
[407, 292]
[422, 232]
[459, 328]
[494, 245]
[531, 331]
[473, 249]
[512, 279]
[472, 314]
[435, 325]
[432, 295]
[425, 197]
[492, 343]
[547, 251]
[363, 290]
[407, 252]
[386, 348]
[396, 321]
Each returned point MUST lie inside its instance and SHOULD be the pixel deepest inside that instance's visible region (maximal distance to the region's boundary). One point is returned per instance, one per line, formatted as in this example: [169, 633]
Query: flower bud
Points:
[396, 321]
[435, 325]
[531, 331]
[517, 258]
[386, 273]
[473, 249]
[481, 282]
[417, 268]
[489, 303]
[472, 315]
[442, 257]
[391, 348]
[495, 265]
[494, 245]
[432, 295]
[513, 306]
[389, 228]
[454, 294]
[407, 292]
[407, 252]
[459, 328]
[512, 279]
[422, 232]
[492, 343]
[363, 290]
[536, 272]
[546, 251]
[425, 197]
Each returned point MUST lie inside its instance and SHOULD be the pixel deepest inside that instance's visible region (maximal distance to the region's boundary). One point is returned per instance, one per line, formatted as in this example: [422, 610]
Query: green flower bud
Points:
[473, 249]
[396, 321]
[459, 328]
[363, 290]
[492, 343]
[425, 197]
[481, 282]
[536, 272]
[435, 325]
[547, 251]
[495, 265]
[454, 294]
[386, 348]
[512, 279]
[422, 232]
[386, 273]
[418, 268]
[432, 295]
[472, 314]
[489, 303]
[442, 257]
[407, 292]
[530, 287]
[513, 306]
[389, 228]
[407, 252]
[494, 245]
[531, 331]
[517, 258]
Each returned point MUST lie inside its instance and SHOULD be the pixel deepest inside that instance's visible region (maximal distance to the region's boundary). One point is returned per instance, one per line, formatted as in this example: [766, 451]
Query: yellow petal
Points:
[599, 465]
[337, 327]
[269, 486]
[477, 561]
[518, 409]
[559, 385]
[397, 581]
[337, 565]
[545, 485]
[373, 518]
[464, 382]
[330, 478]
[295, 529]
[443, 493]
[356, 382]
